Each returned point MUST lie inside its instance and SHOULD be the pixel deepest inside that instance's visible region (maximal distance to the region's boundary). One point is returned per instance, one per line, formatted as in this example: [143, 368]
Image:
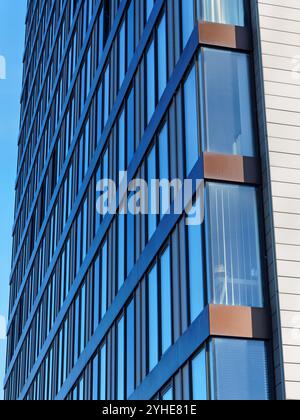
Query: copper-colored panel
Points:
[239, 322]
[231, 168]
[227, 36]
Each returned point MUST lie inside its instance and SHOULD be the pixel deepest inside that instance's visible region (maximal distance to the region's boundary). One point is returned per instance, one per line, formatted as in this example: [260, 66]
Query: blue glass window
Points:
[240, 370]
[230, 12]
[199, 377]
[130, 335]
[130, 32]
[95, 383]
[196, 284]
[122, 52]
[130, 127]
[153, 319]
[149, 7]
[234, 250]
[152, 217]
[168, 395]
[103, 373]
[104, 281]
[163, 166]
[166, 299]
[191, 121]
[228, 106]
[120, 360]
[150, 82]
[162, 59]
[188, 19]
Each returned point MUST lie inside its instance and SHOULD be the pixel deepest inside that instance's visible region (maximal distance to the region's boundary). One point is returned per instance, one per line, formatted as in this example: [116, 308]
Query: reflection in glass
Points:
[230, 12]
[199, 377]
[240, 370]
[228, 103]
[235, 258]
[166, 310]
[153, 319]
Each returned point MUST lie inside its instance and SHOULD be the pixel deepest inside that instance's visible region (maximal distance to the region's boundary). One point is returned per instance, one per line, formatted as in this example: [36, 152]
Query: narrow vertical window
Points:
[103, 373]
[151, 174]
[191, 121]
[166, 299]
[120, 360]
[130, 127]
[130, 334]
[188, 20]
[95, 378]
[106, 94]
[96, 293]
[199, 377]
[122, 52]
[149, 7]
[162, 57]
[153, 319]
[196, 281]
[104, 281]
[151, 86]
[130, 32]
[164, 168]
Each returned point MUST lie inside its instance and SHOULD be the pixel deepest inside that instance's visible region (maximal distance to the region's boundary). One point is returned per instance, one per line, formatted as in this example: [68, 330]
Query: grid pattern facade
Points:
[128, 307]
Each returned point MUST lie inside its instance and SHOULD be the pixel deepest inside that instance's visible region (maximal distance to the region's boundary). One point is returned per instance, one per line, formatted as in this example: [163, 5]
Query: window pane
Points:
[104, 281]
[191, 123]
[103, 373]
[240, 371]
[149, 7]
[95, 384]
[130, 350]
[153, 319]
[152, 217]
[122, 54]
[130, 127]
[166, 311]
[228, 103]
[150, 83]
[199, 377]
[120, 361]
[234, 245]
[169, 395]
[188, 20]
[163, 167]
[162, 60]
[196, 271]
[224, 11]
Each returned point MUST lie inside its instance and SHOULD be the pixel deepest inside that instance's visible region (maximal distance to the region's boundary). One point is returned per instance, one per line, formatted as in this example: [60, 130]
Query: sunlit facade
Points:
[145, 307]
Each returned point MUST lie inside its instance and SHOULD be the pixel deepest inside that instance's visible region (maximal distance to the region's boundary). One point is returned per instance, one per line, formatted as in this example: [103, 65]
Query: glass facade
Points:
[127, 86]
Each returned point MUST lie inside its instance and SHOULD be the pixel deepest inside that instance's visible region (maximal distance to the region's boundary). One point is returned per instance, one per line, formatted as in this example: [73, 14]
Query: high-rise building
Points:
[146, 306]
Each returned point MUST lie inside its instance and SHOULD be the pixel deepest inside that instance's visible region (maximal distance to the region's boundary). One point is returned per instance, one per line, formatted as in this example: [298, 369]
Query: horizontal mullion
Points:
[173, 84]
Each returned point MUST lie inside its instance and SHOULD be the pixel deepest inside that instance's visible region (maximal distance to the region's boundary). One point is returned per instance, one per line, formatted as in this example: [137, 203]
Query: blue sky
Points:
[12, 31]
